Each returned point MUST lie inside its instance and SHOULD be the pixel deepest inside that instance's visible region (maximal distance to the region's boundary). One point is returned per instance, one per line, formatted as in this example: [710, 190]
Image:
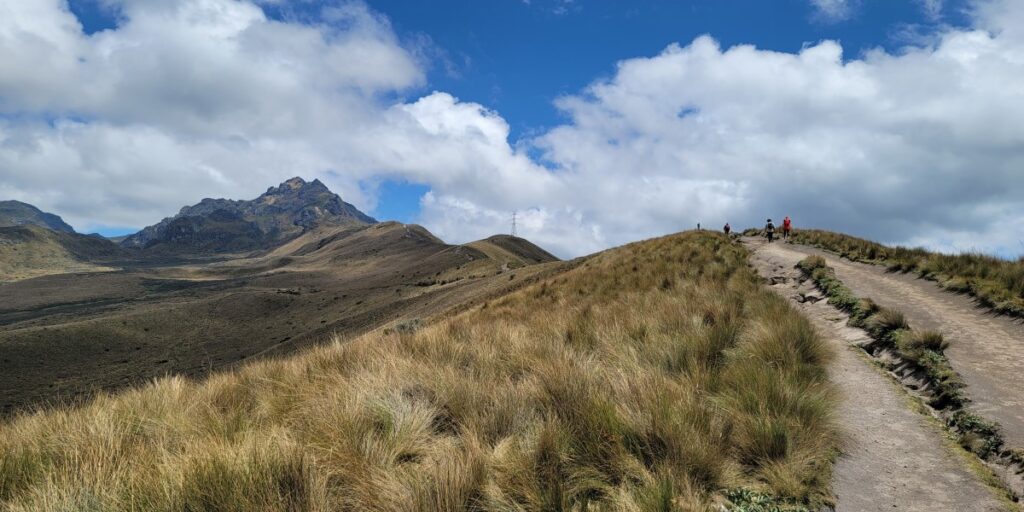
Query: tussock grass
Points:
[657, 376]
[998, 284]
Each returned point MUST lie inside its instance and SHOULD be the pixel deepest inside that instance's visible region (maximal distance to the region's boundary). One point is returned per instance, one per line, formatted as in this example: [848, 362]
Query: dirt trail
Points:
[893, 458]
[986, 349]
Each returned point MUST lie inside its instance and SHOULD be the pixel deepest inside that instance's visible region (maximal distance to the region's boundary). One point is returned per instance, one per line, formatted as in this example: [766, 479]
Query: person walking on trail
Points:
[727, 228]
[787, 226]
[769, 231]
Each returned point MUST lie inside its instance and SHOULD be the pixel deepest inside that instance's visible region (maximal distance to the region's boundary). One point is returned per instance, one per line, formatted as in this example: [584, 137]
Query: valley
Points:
[81, 315]
[65, 337]
[265, 308]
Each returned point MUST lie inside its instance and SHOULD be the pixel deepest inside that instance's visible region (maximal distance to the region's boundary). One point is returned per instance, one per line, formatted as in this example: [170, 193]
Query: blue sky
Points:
[600, 121]
[517, 58]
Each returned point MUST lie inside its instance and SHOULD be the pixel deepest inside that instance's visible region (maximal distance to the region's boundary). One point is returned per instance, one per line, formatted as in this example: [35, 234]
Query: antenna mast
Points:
[513, 223]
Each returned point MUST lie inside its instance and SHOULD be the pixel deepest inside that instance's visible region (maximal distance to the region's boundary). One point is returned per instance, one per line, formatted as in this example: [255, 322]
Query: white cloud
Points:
[194, 98]
[184, 99]
[834, 10]
[923, 145]
[932, 9]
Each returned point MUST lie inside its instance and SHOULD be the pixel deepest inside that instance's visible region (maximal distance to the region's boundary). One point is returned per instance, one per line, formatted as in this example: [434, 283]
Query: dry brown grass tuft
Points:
[651, 377]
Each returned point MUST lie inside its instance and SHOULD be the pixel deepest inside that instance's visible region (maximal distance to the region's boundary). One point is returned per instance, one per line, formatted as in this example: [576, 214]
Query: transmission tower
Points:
[513, 223]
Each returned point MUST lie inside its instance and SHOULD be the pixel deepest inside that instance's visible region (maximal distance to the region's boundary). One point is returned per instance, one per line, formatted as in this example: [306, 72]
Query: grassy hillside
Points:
[17, 213]
[513, 250]
[997, 283]
[63, 337]
[31, 251]
[657, 376]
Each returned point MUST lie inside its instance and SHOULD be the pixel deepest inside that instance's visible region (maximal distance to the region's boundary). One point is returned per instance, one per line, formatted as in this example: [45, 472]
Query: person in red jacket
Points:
[787, 226]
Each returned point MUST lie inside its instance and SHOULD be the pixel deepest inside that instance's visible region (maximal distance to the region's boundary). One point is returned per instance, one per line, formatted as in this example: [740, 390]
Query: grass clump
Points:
[997, 283]
[918, 342]
[655, 376]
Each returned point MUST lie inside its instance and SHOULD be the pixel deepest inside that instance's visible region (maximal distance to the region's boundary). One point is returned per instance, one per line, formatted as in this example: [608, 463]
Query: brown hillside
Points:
[30, 251]
[519, 251]
[67, 335]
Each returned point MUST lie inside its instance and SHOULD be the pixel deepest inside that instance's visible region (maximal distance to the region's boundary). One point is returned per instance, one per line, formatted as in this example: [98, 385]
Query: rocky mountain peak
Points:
[281, 213]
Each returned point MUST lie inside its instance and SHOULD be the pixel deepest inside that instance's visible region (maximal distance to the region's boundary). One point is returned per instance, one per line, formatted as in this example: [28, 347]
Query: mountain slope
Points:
[656, 376]
[17, 213]
[518, 251]
[225, 225]
[69, 335]
[29, 251]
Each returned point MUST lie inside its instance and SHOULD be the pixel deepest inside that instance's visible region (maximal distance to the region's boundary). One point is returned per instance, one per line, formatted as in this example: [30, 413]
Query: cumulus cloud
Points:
[192, 98]
[184, 99]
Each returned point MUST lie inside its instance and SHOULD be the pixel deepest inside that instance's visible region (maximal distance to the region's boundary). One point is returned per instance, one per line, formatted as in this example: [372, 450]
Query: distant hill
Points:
[224, 225]
[515, 250]
[17, 213]
[30, 251]
[115, 329]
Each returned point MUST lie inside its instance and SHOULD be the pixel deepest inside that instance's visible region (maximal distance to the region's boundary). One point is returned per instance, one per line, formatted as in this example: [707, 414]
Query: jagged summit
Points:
[227, 225]
[297, 183]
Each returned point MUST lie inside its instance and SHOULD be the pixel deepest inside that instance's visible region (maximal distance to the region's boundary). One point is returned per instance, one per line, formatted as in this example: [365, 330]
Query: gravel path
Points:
[893, 458]
[987, 350]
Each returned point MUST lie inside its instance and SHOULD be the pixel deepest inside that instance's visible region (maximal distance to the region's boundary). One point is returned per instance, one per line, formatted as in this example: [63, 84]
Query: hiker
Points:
[698, 226]
[787, 225]
[727, 228]
[769, 231]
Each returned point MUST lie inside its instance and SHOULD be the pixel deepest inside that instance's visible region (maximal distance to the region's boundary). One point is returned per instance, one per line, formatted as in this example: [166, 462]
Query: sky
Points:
[599, 121]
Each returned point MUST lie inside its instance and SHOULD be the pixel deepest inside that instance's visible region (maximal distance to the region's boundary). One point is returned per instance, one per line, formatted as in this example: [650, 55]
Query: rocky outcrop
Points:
[224, 225]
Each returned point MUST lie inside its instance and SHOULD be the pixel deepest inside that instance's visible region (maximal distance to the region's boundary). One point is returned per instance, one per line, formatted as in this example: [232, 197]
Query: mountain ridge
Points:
[16, 213]
[231, 225]
[30, 250]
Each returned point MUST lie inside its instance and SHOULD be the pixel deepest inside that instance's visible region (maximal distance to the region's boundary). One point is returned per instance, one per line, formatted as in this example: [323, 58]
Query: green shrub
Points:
[978, 435]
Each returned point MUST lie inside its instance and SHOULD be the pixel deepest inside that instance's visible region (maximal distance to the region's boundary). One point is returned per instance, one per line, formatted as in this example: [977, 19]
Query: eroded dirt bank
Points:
[893, 458]
[987, 350]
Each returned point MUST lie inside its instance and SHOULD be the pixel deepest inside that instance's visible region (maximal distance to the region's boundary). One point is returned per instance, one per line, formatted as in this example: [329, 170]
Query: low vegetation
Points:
[32, 251]
[922, 349]
[996, 283]
[657, 376]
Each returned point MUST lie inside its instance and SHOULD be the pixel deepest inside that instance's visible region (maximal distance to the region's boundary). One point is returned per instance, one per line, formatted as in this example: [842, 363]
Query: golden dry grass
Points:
[655, 376]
